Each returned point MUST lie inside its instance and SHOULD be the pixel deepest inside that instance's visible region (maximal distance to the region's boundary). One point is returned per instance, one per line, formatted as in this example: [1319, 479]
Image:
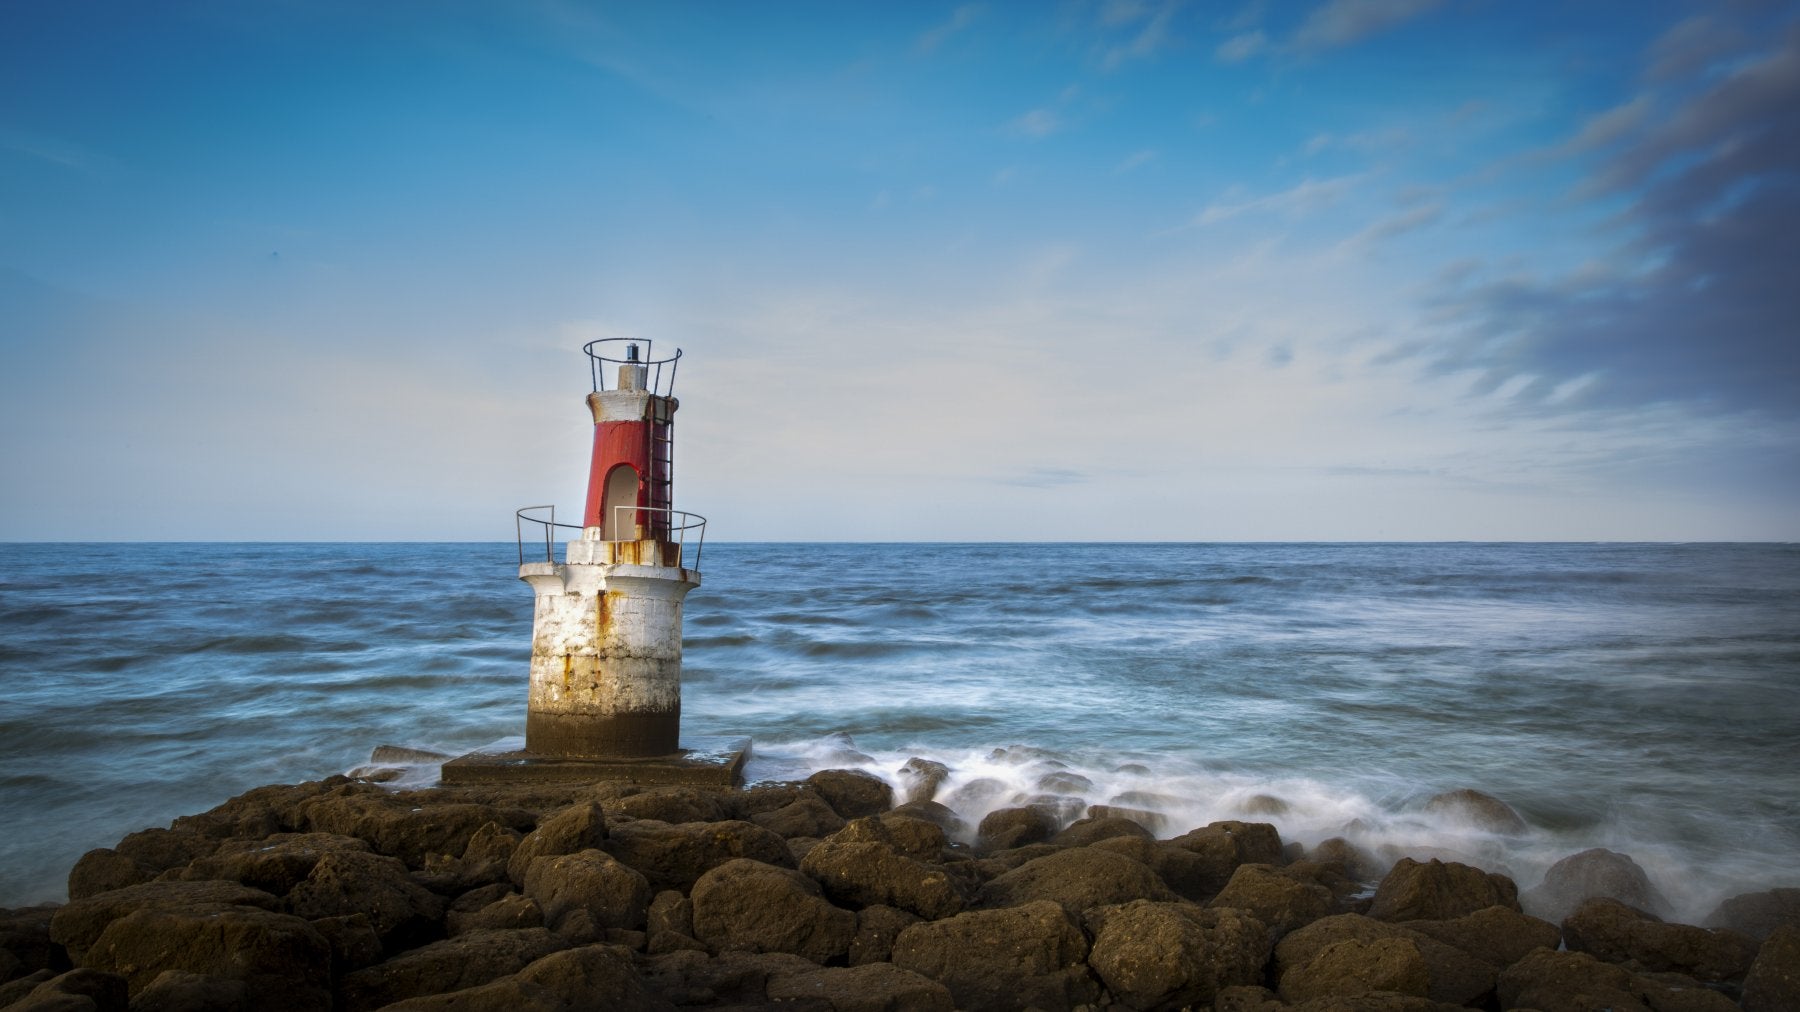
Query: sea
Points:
[1639, 697]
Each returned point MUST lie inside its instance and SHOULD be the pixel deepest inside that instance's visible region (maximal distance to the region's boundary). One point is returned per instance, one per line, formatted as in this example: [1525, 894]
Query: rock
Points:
[281, 959]
[1567, 982]
[1034, 954]
[1191, 876]
[1171, 955]
[1264, 804]
[1352, 968]
[1279, 901]
[977, 794]
[1357, 863]
[873, 987]
[672, 941]
[180, 991]
[1596, 872]
[853, 793]
[1757, 914]
[670, 911]
[730, 978]
[921, 778]
[76, 925]
[934, 813]
[1498, 935]
[346, 882]
[767, 798]
[77, 989]
[755, 907]
[575, 828]
[450, 965]
[876, 928]
[1483, 811]
[1082, 832]
[1078, 878]
[273, 809]
[1439, 891]
[1452, 975]
[353, 941]
[675, 856]
[15, 990]
[1247, 998]
[1153, 822]
[589, 977]
[807, 816]
[408, 825]
[1006, 828]
[493, 843]
[1618, 933]
[864, 874]
[25, 936]
[510, 911]
[1064, 782]
[612, 894]
[1237, 842]
[103, 870]
[675, 804]
[275, 864]
[915, 838]
[1773, 983]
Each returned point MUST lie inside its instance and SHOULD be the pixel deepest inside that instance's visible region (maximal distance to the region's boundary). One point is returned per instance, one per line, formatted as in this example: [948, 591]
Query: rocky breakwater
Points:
[823, 895]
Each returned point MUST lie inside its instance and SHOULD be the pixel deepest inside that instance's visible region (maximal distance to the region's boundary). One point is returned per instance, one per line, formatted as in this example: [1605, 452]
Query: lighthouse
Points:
[604, 700]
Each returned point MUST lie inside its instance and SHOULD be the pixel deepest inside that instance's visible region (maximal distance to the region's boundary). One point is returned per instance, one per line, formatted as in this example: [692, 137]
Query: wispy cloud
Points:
[1148, 24]
[1241, 47]
[1343, 22]
[960, 19]
[1137, 159]
[1306, 197]
[1037, 123]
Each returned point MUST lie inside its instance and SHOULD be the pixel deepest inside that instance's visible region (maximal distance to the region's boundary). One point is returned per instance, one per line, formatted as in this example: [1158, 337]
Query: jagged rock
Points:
[589, 977]
[76, 925]
[275, 864]
[976, 794]
[675, 804]
[1279, 901]
[1191, 876]
[1082, 832]
[25, 937]
[1248, 998]
[1233, 841]
[1773, 983]
[453, 964]
[755, 907]
[1356, 862]
[808, 815]
[575, 828]
[670, 911]
[675, 856]
[1034, 954]
[1352, 968]
[349, 881]
[1452, 975]
[353, 941]
[281, 959]
[672, 941]
[408, 825]
[934, 813]
[1439, 891]
[1006, 828]
[730, 978]
[1596, 872]
[1567, 982]
[1264, 804]
[876, 928]
[1499, 935]
[612, 894]
[1171, 955]
[15, 990]
[76, 990]
[1617, 933]
[180, 991]
[266, 810]
[1483, 811]
[1757, 914]
[915, 838]
[493, 843]
[103, 870]
[864, 874]
[510, 911]
[853, 793]
[1153, 822]
[767, 798]
[921, 778]
[1078, 878]
[872, 987]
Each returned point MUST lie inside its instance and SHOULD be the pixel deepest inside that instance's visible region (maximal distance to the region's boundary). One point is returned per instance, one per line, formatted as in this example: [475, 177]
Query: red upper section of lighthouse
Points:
[631, 478]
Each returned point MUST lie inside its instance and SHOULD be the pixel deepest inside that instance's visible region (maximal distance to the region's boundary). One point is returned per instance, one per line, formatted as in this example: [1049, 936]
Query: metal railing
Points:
[680, 526]
[659, 374]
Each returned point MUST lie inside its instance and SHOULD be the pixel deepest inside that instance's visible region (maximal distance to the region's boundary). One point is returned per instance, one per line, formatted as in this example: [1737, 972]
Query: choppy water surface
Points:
[1644, 698]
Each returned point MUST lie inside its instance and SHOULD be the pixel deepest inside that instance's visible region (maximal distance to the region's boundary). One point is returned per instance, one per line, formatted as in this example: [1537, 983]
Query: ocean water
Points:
[1644, 698]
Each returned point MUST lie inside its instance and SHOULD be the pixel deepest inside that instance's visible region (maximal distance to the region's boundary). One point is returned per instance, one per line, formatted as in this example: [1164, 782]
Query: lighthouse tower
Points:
[605, 690]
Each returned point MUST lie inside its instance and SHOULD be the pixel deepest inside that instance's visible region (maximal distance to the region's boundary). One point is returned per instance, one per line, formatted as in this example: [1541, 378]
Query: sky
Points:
[1113, 270]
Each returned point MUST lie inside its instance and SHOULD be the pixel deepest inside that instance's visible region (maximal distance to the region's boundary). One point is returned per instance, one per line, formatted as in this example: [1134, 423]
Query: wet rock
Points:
[1356, 862]
[675, 856]
[493, 843]
[1064, 808]
[1452, 975]
[660, 942]
[864, 874]
[1153, 822]
[876, 928]
[1077, 879]
[451, 965]
[1499, 935]
[275, 864]
[1483, 811]
[1171, 955]
[1082, 832]
[76, 925]
[808, 815]
[670, 911]
[1006, 828]
[103, 870]
[78, 989]
[1264, 804]
[353, 941]
[266, 810]
[766, 798]
[346, 882]
[853, 793]
[1673, 992]
[1352, 968]
[510, 911]
[1034, 954]
[934, 813]
[1248, 998]
[15, 990]
[180, 991]
[282, 960]
[1191, 876]
[675, 804]
[873, 987]
[611, 894]
[1618, 933]
[1757, 914]
[1438, 891]
[407, 825]
[915, 838]
[1567, 982]
[976, 794]
[1234, 842]
[1596, 872]
[25, 938]
[755, 907]
[1279, 901]
[589, 977]
[921, 778]
[728, 979]
[575, 828]
[1773, 983]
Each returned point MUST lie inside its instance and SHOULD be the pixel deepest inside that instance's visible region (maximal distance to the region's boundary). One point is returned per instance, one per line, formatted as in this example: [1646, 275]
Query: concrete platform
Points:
[704, 761]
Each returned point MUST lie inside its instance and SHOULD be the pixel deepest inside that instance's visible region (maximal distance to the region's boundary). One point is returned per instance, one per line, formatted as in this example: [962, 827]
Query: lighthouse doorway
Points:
[621, 490]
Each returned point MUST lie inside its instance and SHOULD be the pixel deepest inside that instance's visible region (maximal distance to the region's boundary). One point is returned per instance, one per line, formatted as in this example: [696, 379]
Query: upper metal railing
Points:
[681, 526]
[659, 374]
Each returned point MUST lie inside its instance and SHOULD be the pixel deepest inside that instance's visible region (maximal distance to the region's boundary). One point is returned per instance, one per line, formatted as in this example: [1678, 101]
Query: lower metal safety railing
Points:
[677, 526]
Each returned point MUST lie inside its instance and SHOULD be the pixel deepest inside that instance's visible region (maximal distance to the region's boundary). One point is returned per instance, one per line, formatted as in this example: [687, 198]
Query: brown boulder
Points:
[675, 856]
[1082, 832]
[1352, 968]
[1279, 901]
[1077, 878]
[872, 987]
[1239, 842]
[510, 911]
[1483, 811]
[1618, 933]
[1439, 891]
[1596, 872]
[674, 804]
[347, 882]
[1567, 982]
[864, 874]
[408, 825]
[1498, 935]
[282, 960]
[275, 864]
[921, 778]
[25, 937]
[450, 965]
[181, 991]
[1757, 914]
[670, 911]
[1170, 955]
[77, 924]
[78, 990]
[353, 941]
[611, 894]
[1452, 975]
[807, 815]
[755, 907]
[1006, 828]
[277, 808]
[1773, 983]
[589, 977]
[1191, 876]
[1034, 954]
[731, 978]
[853, 793]
[1355, 862]
[575, 828]
[103, 870]
[876, 929]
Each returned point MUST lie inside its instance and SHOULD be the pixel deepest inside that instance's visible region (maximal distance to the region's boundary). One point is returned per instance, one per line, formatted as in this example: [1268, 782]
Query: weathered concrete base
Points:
[703, 761]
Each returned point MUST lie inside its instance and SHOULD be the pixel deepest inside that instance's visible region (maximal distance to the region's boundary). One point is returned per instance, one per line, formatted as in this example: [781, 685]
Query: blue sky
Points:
[1341, 269]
